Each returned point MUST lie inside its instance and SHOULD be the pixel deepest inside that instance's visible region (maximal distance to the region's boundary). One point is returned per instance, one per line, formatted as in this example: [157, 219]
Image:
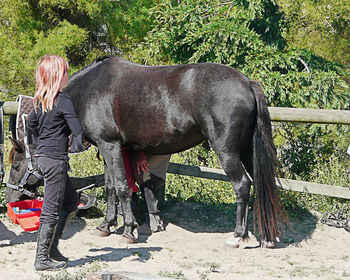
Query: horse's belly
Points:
[171, 143]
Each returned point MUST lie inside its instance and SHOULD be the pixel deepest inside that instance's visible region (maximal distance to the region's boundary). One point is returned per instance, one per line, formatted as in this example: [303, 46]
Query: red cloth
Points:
[128, 170]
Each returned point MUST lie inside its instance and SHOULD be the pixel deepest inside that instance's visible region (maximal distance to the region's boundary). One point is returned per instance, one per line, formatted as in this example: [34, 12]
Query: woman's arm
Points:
[73, 122]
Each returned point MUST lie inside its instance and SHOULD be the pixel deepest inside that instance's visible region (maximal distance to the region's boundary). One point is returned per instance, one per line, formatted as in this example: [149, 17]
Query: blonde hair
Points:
[50, 71]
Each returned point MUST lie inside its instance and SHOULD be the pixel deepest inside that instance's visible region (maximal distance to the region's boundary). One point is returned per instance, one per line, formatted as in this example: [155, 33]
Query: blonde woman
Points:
[51, 121]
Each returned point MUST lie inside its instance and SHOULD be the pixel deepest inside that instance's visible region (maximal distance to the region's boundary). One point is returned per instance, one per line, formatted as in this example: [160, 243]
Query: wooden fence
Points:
[280, 114]
[219, 174]
[277, 114]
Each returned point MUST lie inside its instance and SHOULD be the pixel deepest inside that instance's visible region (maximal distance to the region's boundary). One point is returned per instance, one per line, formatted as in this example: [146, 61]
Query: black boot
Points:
[64, 217]
[42, 258]
[150, 196]
[159, 190]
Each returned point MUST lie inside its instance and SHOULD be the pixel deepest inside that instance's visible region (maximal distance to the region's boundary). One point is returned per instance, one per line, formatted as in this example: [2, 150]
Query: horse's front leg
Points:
[111, 214]
[113, 158]
[129, 220]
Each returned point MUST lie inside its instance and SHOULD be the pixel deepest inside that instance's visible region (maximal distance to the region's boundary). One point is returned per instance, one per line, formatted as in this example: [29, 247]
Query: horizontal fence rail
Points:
[280, 114]
[219, 174]
[286, 184]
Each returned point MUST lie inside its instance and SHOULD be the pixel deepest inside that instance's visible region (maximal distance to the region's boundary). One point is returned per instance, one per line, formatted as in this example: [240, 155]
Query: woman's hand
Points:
[142, 163]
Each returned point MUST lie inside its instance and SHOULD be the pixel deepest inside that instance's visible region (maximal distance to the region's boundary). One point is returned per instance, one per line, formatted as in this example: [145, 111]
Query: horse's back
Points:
[156, 108]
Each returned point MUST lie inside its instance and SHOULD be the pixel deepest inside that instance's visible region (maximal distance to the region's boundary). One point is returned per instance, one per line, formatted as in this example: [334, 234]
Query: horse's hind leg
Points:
[113, 158]
[241, 183]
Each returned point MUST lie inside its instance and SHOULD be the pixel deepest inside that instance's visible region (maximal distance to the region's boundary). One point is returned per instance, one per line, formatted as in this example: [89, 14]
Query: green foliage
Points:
[204, 31]
[334, 171]
[87, 164]
[229, 33]
[319, 26]
[79, 30]
[196, 189]
[304, 146]
[25, 36]
[2, 197]
[296, 78]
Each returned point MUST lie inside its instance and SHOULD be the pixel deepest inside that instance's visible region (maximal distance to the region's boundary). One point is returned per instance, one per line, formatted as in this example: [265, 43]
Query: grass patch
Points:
[172, 275]
[77, 275]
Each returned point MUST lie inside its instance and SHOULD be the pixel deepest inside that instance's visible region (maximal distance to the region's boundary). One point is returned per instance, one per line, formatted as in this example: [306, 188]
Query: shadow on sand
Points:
[219, 218]
[115, 254]
[9, 238]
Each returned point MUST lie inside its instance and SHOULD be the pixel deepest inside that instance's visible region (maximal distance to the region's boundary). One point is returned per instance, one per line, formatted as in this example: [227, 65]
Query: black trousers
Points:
[59, 192]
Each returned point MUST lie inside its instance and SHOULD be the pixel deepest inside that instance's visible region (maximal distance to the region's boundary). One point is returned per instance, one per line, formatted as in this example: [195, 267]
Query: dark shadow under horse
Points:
[168, 109]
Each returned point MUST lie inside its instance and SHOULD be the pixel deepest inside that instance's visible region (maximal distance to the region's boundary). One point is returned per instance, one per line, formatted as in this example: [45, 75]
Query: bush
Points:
[334, 171]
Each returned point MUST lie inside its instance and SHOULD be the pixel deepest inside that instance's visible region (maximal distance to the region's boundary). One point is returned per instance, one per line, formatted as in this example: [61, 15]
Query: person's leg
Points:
[158, 169]
[150, 196]
[65, 215]
[153, 189]
[55, 173]
[159, 190]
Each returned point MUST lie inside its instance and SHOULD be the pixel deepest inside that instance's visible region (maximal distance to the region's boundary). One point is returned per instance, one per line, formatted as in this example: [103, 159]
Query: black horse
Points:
[168, 109]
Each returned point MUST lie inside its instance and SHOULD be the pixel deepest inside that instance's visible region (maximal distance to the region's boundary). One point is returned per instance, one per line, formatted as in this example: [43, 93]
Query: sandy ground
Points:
[188, 249]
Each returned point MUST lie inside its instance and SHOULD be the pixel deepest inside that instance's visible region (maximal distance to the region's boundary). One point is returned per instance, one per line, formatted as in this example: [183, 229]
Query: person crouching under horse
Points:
[150, 175]
[51, 121]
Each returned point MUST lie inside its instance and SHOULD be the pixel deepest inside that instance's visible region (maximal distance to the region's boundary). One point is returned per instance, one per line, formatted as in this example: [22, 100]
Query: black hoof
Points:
[102, 232]
[156, 223]
[129, 232]
[130, 238]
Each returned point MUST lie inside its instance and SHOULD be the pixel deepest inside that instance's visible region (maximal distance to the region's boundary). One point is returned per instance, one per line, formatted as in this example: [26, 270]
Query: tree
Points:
[322, 27]
[78, 30]
[232, 33]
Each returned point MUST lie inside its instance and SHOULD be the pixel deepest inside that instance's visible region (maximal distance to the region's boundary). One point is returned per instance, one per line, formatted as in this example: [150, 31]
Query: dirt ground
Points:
[192, 247]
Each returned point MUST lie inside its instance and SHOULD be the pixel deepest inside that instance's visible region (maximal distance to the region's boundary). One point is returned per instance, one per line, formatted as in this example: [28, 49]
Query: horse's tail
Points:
[270, 213]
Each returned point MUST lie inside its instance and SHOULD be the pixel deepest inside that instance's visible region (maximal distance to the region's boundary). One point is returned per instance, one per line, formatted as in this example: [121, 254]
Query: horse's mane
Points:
[97, 62]
[92, 65]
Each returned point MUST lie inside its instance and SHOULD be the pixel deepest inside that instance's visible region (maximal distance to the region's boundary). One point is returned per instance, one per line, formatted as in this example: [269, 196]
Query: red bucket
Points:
[28, 221]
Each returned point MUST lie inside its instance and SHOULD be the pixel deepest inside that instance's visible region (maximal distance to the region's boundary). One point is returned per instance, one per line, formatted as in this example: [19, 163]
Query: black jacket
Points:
[52, 128]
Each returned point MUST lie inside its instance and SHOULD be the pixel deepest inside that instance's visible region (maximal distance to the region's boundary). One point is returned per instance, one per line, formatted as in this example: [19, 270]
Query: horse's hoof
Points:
[130, 239]
[268, 244]
[157, 229]
[234, 242]
[155, 223]
[160, 228]
[101, 233]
